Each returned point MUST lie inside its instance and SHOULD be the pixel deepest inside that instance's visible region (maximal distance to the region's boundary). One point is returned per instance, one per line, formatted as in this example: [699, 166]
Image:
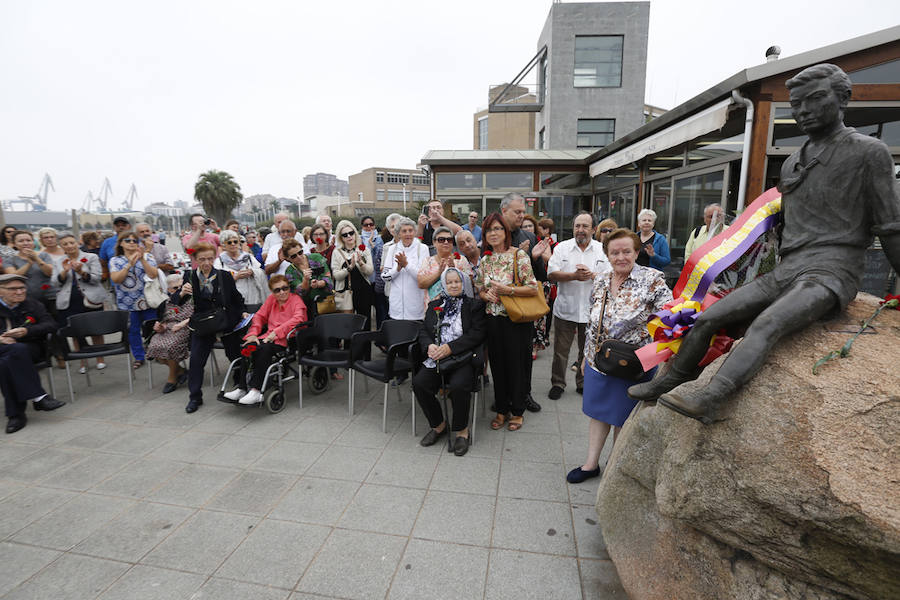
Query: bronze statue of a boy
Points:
[838, 191]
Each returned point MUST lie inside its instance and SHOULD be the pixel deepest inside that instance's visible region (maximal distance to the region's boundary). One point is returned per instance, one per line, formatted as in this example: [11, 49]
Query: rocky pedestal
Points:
[795, 495]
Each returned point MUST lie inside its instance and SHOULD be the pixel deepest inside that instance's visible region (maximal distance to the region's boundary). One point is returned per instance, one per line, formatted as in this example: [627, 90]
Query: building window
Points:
[396, 196]
[421, 196]
[397, 178]
[382, 194]
[379, 177]
[595, 133]
[598, 60]
[522, 181]
[483, 133]
[420, 180]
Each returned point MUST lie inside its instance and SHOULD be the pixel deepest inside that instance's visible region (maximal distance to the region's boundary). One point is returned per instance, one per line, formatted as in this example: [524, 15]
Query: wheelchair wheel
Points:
[318, 380]
[274, 400]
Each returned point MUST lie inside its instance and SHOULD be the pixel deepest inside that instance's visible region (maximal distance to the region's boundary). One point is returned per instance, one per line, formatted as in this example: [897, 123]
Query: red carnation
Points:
[456, 255]
[438, 309]
[29, 320]
[421, 238]
[319, 240]
[175, 309]
[45, 287]
[84, 260]
[362, 247]
[488, 253]
[247, 350]
[892, 301]
[190, 250]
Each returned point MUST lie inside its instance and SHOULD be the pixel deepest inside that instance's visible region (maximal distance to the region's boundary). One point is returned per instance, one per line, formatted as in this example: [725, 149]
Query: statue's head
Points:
[819, 95]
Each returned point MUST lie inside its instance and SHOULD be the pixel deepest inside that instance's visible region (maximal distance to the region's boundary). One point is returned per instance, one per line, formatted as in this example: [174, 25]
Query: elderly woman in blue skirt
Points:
[621, 301]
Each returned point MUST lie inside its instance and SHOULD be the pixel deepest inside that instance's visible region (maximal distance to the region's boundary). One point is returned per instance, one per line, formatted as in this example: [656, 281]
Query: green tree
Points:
[219, 194]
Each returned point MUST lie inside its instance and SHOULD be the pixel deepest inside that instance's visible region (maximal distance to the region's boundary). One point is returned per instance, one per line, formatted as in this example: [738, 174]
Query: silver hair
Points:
[293, 225]
[391, 219]
[136, 225]
[228, 234]
[647, 211]
[441, 229]
[174, 278]
[509, 198]
[462, 232]
[403, 222]
[320, 217]
[64, 235]
[44, 230]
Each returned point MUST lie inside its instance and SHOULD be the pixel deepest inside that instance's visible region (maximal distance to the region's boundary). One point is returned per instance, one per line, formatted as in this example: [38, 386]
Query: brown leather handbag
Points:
[524, 309]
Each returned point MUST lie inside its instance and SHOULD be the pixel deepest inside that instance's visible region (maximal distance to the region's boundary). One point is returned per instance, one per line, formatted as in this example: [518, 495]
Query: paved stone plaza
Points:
[119, 496]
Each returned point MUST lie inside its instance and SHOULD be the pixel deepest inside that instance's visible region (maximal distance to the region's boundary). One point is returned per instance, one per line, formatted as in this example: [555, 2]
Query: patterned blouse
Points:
[320, 270]
[430, 267]
[499, 267]
[130, 293]
[643, 293]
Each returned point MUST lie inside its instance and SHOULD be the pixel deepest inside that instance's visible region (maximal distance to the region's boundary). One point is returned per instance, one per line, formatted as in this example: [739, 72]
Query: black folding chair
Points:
[46, 362]
[83, 326]
[330, 336]
[396, 336]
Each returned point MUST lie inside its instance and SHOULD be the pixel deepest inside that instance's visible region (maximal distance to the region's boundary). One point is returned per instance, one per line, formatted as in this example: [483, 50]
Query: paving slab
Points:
[440, 570]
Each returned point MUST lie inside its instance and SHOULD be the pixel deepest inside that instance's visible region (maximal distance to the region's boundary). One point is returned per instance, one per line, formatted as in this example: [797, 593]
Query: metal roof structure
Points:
[505, 157]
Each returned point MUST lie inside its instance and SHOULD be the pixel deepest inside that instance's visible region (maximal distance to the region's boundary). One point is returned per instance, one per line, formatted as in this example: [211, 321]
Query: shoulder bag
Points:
[616, 358]
[524, 309]
[343, 299]
[208, 322]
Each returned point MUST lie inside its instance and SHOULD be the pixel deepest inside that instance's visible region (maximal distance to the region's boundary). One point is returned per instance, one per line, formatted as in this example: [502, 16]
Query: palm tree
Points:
[219, 194]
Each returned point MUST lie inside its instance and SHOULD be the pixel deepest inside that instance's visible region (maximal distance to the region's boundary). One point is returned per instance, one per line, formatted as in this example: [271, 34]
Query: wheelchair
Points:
[284, 367]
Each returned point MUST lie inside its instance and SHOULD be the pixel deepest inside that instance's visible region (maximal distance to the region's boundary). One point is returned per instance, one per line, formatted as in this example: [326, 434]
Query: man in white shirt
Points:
[573, 266]
[274, 238]
[276, 261]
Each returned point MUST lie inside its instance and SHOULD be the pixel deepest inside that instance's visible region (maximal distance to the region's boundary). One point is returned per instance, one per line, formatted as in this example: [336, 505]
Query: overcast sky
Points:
[154, 93]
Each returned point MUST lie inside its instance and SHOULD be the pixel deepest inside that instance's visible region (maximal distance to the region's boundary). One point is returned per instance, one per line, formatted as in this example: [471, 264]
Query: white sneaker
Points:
[235, 394]
[82, 370]
[101, 366]
[252, 397]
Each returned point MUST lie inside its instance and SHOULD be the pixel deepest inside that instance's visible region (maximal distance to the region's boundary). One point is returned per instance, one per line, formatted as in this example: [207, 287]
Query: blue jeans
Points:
[134, 331]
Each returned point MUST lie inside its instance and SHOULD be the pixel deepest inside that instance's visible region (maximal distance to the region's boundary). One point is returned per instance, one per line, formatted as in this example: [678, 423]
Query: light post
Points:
[404, 197]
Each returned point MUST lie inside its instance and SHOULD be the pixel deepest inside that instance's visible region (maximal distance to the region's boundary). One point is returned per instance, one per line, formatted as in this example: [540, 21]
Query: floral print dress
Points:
[498, 267]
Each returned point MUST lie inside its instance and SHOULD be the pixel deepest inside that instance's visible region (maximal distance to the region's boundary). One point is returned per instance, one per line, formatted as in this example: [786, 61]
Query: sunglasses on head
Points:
[443, 240]
[281, 289]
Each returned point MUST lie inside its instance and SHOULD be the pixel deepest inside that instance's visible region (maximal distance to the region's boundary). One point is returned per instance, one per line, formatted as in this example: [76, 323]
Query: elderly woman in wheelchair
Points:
[266, 338]
[451, 338]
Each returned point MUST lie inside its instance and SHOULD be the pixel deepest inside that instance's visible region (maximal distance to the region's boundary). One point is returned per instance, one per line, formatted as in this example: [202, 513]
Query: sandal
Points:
[137, 364]
[515, 423]
[498, 421]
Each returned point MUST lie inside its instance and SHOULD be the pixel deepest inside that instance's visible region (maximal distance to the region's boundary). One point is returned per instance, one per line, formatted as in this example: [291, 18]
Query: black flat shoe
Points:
[192, 406]
[169, 387]
[555, 392]
[577, 475]
[15, 423]
[460, 445]
[181, 378]
[531, 405]
[432, 437]
[48, 402]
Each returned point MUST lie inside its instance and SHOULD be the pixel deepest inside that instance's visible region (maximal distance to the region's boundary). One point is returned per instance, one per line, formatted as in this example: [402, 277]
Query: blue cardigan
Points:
[661, 251]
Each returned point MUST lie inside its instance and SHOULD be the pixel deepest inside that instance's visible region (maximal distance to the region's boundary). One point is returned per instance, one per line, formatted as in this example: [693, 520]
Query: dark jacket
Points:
[537, 264]
[36, 338]
[474, 326]
[225, 294]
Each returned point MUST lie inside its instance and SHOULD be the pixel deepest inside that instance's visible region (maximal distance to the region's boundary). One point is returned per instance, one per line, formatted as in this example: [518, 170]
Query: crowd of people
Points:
[455, 280]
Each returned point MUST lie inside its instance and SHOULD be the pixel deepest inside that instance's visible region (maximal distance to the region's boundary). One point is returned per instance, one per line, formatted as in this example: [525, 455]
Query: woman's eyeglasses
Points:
[280, 289]
[368, 224]
[294, 255]
[347, 234]
[443, 240]
[606, 230]
[129, 241]
[230, 242]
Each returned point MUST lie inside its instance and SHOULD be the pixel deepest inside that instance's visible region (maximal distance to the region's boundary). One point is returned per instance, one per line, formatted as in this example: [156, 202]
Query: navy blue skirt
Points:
[605, 397]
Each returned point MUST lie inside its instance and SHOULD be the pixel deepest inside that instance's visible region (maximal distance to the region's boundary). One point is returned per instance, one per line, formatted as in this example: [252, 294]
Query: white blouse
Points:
[407, 299]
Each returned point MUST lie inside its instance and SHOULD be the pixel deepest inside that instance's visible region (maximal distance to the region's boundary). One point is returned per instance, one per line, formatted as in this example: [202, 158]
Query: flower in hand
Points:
[362, 247]
[247, 350]
[891, 301]
[29, 320]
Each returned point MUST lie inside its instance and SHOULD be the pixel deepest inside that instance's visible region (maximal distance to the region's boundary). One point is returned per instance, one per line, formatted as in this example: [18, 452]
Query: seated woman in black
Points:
[210, 289]
[455, 327]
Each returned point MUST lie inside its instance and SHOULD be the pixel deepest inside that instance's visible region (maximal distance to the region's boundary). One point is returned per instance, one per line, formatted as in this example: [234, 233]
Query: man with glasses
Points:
[24, 324]
[276, 261]
[157, 250]
[473, 228]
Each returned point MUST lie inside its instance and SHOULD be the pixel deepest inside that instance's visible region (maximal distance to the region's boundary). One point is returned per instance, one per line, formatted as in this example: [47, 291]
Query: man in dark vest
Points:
[838, 192]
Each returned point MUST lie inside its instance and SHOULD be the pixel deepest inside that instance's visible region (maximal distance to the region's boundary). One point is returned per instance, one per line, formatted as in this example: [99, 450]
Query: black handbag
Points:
[616, 358]
[455, 361]
[208, 322]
